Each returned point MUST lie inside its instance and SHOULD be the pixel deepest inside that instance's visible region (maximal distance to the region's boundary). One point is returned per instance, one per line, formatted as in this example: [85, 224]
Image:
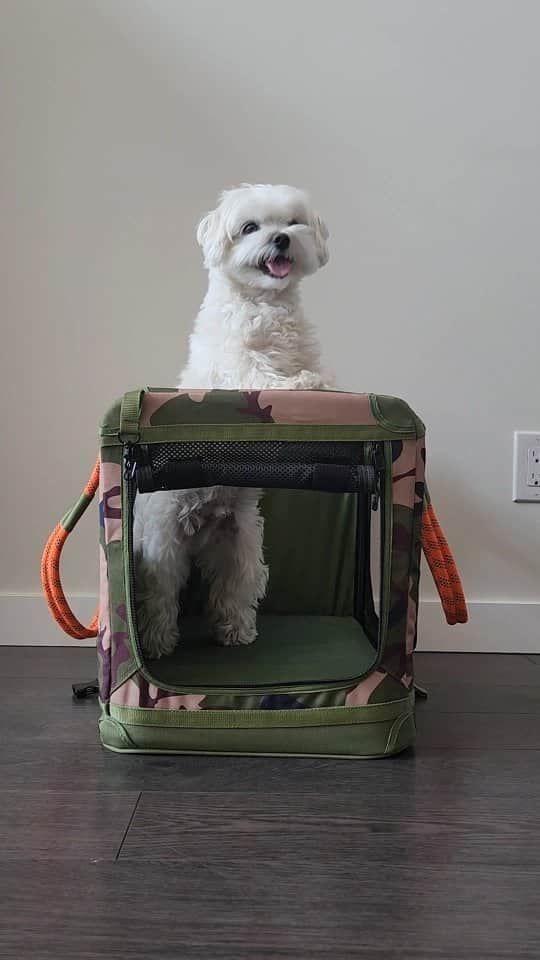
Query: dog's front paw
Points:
[158, 636]
[157, 609]
[237, 631]
[157, 620]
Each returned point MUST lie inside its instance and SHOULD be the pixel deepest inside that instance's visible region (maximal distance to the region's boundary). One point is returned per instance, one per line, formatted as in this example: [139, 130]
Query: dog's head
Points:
[264, 237]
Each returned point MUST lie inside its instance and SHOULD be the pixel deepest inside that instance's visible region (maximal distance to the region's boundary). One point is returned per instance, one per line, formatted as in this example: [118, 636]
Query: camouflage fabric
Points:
[139, 692]
[378, 687]
[408, 461]
[124, 681]
[267, 406]
[164, 408]
[114, 648]
[104, 628]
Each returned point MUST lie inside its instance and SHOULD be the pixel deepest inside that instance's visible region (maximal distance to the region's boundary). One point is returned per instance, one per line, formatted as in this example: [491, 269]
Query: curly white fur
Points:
[250, 334]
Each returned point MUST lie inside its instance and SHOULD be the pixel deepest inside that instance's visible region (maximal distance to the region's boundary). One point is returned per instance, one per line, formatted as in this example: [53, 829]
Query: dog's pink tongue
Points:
[280, 267]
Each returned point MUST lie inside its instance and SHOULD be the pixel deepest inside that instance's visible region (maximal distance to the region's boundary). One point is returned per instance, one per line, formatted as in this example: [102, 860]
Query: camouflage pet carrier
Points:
[346, 514]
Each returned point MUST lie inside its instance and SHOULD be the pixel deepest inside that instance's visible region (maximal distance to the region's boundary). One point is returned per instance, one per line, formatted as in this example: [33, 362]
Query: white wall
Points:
[414, 123]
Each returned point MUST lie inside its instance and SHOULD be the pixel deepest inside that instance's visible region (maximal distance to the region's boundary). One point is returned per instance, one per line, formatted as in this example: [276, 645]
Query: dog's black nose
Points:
[282, 241]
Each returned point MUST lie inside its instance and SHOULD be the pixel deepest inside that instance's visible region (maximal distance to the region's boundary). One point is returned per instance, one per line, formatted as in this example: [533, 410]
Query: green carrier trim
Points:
[255, 431]
[130, 415]
[361, 733]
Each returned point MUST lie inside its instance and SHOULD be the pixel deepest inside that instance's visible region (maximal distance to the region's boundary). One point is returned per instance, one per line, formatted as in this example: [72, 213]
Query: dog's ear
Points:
[212, 237]
[321, 237]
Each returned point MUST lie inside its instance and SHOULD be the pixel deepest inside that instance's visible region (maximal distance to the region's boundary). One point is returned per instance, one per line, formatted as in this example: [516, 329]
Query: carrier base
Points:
[329, 651]
[376, 730]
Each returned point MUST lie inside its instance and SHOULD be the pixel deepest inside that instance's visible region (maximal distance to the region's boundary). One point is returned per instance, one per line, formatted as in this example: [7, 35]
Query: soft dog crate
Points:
[346, 515]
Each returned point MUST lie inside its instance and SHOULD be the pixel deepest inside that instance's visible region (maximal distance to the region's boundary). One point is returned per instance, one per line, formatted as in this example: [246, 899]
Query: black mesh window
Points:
[263, 452]
[320, 465]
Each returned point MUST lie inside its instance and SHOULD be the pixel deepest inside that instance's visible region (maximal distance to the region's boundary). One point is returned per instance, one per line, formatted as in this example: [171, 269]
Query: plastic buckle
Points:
[81, 691]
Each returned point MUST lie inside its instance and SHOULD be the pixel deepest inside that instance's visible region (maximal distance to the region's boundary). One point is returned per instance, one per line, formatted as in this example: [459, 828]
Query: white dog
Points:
[250, 334]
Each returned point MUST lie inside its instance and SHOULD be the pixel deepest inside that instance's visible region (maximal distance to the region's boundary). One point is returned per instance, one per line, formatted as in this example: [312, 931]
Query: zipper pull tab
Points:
[130, 462]
[135, 458]
[377, 457]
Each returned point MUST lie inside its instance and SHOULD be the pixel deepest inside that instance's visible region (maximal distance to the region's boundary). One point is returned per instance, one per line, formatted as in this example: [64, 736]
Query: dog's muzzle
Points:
[277, 264]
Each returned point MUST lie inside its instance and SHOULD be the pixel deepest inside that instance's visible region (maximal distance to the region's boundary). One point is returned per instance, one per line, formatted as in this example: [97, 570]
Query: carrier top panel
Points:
[153, 415]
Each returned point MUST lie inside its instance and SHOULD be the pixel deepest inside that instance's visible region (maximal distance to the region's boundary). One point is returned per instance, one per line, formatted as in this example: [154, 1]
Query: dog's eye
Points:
[250, 227]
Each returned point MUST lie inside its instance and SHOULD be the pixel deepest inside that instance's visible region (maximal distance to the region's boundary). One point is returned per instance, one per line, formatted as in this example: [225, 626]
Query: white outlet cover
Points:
[526, 447]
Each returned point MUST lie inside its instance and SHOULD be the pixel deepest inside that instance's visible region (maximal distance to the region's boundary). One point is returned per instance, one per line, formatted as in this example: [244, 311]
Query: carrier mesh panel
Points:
[321, 465]
[248, 451]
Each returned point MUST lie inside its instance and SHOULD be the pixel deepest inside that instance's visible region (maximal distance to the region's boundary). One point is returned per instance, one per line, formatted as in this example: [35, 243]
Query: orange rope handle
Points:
[50, 571]
[443, 568]
[93, 482]
[434, 544]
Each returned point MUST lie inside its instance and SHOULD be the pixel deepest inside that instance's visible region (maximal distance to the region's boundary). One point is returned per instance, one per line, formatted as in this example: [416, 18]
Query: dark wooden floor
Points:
[432, 854]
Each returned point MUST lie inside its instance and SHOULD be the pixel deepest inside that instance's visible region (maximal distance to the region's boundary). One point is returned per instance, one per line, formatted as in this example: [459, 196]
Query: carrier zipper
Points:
[129, 486]
[375, 454]
[132, 457]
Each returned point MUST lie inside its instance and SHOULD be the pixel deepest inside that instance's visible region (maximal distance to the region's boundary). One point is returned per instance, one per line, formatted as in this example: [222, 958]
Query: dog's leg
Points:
[162, 566]
[231, 559]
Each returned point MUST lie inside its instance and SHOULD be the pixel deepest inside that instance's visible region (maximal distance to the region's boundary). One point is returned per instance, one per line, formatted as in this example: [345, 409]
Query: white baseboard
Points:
[25, 621]
[493, 627]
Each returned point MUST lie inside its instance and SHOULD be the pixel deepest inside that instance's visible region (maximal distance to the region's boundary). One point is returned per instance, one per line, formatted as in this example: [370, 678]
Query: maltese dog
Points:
[250, 334]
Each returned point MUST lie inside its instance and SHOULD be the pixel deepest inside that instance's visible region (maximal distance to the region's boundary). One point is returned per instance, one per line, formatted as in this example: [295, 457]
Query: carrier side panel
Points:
[407, 497]
[115, 656]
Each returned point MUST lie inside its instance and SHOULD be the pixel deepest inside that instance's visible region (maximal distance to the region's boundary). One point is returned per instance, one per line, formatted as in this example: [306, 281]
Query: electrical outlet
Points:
[533, 466]
[526, 466]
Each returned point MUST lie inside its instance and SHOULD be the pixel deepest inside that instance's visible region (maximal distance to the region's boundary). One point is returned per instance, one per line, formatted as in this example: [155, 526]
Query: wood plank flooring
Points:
[435, 853]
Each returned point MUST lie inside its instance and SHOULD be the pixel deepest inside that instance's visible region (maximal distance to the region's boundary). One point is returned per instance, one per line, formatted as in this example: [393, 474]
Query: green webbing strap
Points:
[72, 517]
[130, 414]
